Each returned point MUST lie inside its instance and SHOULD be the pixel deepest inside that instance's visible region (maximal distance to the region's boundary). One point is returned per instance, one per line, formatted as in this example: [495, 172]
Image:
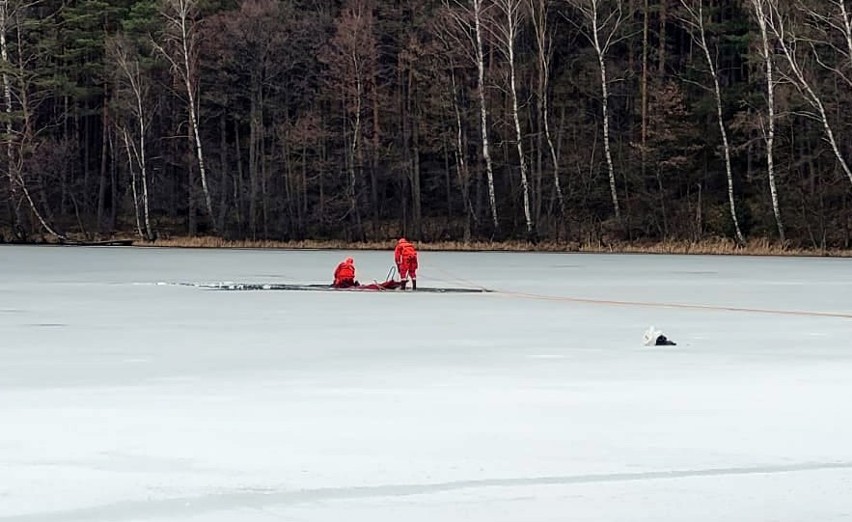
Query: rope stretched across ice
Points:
[233, 286]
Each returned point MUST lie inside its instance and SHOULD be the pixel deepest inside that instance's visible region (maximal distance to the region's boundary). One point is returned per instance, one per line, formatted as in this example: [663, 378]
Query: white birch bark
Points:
[601, 33]
[178, 15]
[766, 54]
[132, 76]
[7, 99]
[463, 173]
[507, 33]
[143, 170]
[475, 9]
[39, 217]
[544, 52]
[834, 19]
[695, 20]
[15, 160]
[787, 44]
[128, 148]
[483, 111]
[846, 26]
[356, 135]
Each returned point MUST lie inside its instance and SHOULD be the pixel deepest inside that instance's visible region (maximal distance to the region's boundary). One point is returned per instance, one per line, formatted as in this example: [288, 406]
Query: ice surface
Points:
[122, 399]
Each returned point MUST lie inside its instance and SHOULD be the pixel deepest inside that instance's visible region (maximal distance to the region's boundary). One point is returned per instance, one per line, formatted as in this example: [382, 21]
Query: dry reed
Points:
[717, 246]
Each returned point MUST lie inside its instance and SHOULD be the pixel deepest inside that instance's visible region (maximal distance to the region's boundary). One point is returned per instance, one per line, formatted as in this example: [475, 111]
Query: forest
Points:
[582, 121]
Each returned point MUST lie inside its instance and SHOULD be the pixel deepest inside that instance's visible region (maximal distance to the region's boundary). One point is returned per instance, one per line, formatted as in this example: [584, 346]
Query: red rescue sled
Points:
[374, 286]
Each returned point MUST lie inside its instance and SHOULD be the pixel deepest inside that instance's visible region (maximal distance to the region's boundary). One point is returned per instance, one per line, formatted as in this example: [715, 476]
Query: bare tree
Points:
[351, 57]
[131, 152]
[7, 99]
[643, 88]
[544, 55]
[461, 162]
[787, 42]
[446, 51]
[18, 141]
[506, 31]
[602, 23]
[468, 16]
[846, 26]
[833, 19]
[769, 130]
[132, 90]
[182, 53]
[255, 44]
[694, 21]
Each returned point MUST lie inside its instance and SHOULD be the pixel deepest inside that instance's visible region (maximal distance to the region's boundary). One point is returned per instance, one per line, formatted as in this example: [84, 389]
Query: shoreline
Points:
[717, 246]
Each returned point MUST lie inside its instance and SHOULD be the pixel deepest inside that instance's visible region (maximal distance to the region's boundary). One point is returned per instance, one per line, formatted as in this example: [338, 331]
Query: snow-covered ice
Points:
[124, 399]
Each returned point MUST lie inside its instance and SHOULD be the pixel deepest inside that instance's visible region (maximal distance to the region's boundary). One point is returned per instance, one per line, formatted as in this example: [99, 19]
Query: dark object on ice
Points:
[662, 340]
[654, 337]
[109, 242]
[345, 283]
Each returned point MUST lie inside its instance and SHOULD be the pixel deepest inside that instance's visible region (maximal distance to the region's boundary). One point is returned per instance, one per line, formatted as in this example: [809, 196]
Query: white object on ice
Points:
[651, 335]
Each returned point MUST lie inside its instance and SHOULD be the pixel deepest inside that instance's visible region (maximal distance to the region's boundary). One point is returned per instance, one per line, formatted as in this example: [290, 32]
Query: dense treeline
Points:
[569, 120]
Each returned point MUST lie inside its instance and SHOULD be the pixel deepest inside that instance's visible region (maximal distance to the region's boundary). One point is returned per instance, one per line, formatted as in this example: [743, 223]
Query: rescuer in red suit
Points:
[344, 274]
[405, 257]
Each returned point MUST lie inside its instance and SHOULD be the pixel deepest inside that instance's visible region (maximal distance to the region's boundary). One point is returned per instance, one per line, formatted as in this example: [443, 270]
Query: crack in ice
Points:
[260, 498]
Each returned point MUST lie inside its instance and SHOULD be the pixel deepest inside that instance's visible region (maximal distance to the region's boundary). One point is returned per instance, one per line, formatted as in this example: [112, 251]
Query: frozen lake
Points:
[122, 399]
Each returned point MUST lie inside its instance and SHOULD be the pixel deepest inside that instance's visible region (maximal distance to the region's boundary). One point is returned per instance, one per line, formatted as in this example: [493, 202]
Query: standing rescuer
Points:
[405, 257]
[344, 274]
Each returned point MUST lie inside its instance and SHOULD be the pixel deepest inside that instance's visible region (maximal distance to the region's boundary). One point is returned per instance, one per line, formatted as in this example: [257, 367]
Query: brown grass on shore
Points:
[718, 246]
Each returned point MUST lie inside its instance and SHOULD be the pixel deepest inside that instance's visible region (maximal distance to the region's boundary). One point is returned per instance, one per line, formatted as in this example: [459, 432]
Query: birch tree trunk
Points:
[18, 141]
[846, 26]
[143, 172]
[352, 189]
[663, 14]
[507, 35]
[644, 90]
[544, 53]
[769, 135]
[601, 34]
[102, 173]
[132, 78]
[128, 147]
[483, 111]
[605, 115]
[416, 195]
[695, 20]
[837, 19]
[7, 99]
[179, 15]
[461, 163]
[787, 46]
[470, 36]
[351, 56]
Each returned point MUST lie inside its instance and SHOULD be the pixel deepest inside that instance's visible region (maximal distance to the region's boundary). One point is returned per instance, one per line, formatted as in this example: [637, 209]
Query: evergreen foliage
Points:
[359, 119]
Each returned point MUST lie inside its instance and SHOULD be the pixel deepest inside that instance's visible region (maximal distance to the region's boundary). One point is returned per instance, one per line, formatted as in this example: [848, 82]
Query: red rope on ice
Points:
[721, 308]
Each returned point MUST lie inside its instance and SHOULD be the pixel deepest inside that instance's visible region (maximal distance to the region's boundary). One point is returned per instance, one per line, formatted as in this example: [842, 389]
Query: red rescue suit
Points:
[405, 257]
[344, 274]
